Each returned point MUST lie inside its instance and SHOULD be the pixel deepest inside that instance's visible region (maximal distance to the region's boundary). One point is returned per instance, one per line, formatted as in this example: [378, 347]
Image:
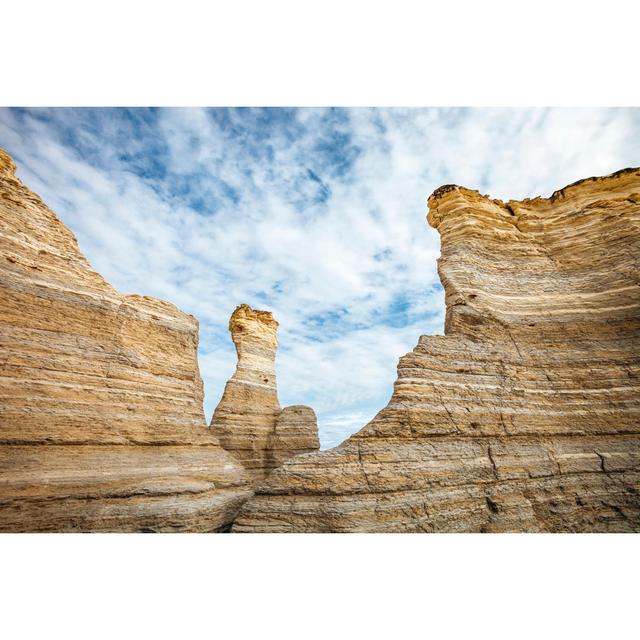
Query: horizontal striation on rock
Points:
[249, 420]
[101, 423]
[525, 415]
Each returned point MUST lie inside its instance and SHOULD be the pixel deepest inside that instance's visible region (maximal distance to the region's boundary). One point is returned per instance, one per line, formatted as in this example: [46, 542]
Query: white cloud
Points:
[318, 215]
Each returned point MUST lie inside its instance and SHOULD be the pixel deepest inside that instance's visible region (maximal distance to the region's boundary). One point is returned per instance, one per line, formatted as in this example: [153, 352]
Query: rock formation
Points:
[295, 432]
[525, 415]
[101, 420]
[248, 420]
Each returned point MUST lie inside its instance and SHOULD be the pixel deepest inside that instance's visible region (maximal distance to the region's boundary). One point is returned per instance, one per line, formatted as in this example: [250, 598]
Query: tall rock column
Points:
[248, 420]
[524, 416]
[101, 419]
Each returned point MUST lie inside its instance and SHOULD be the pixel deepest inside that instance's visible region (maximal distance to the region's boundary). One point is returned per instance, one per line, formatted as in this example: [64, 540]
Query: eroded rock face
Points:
[101, 419]
[525, 415]
[295, 432]
[248, 420]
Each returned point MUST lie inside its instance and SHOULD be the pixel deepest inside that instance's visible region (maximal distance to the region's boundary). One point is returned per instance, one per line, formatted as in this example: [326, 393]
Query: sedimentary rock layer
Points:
[101, 420]
[525, 415]
[248, 420]
[295, 432]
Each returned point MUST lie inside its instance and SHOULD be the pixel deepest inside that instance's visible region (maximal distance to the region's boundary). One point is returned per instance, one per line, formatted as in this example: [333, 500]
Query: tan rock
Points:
[525, 415]
[248, 420]
[101, 419]
[295, 432]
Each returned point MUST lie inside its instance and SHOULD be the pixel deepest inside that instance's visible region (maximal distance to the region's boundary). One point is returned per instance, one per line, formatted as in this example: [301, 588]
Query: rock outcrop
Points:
[101, 419]
[525, 415]
[248, 420]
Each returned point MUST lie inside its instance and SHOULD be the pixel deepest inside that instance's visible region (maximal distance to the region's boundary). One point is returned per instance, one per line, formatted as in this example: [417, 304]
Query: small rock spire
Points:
[249, 421]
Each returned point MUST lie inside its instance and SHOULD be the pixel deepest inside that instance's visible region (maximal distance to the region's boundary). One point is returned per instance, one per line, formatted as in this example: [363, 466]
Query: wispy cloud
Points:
[316, 214]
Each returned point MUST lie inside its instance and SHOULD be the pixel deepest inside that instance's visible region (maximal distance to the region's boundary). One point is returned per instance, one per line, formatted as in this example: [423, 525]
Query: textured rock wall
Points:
[101, 420]
[525, 415]
[295, 432]
[248, 420]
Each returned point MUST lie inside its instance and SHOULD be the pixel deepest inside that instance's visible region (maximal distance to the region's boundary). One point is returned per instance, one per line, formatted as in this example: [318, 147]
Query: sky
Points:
[318, 215]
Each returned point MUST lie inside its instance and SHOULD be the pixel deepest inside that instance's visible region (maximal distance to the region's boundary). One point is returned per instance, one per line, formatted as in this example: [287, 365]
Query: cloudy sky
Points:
[315, 214]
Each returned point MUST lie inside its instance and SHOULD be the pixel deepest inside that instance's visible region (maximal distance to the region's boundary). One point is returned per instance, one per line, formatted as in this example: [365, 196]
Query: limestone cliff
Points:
[101, 420]
[248, 420]
[525, 415]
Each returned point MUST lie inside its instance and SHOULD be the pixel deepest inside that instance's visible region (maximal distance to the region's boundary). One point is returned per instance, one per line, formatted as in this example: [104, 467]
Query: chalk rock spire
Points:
[101, 420]
[249, 421]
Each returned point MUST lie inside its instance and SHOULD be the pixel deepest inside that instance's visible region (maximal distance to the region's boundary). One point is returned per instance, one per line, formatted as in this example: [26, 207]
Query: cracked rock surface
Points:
[525, 415]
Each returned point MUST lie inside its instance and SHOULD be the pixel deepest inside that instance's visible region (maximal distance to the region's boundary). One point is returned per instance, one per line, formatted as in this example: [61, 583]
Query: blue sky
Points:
[315, 214]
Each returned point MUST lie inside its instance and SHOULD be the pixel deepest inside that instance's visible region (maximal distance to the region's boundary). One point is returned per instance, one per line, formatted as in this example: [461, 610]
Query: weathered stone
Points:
[248, 420]
[525, 415]
[295, 432]
[101, 419]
